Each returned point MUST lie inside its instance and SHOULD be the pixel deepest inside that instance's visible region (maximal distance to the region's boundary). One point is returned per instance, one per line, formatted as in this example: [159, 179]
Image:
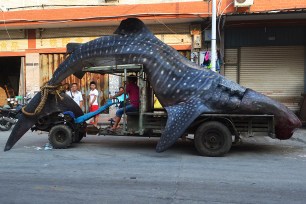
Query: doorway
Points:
[9, 77]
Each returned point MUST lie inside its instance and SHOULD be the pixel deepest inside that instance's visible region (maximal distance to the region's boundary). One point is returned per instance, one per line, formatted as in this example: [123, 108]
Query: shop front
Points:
[11, 78]
[270, 60]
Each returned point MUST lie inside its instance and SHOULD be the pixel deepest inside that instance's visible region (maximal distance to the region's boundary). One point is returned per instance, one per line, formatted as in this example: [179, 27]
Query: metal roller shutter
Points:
[276, 71]
[231, 64]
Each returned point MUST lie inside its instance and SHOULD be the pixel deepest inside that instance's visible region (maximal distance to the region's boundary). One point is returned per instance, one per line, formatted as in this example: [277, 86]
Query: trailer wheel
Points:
[213, 139]
[60, 136]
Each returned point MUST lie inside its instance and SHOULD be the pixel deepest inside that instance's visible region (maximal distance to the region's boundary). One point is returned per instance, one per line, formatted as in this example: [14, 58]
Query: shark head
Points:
[286, 122]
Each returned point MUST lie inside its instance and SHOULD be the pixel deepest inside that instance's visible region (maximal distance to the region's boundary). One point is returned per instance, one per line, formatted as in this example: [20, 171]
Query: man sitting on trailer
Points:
[133, 91]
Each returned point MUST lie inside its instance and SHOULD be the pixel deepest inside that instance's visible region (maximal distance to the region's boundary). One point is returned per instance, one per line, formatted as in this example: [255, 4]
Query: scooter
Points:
[9, 116]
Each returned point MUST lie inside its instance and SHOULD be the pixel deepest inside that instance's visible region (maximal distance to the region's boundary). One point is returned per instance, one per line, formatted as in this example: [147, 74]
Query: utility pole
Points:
[213, 36]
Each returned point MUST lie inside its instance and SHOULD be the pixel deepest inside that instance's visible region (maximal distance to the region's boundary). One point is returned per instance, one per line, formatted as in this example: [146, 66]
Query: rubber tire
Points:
[7, 126]
[60, 137]
[206, 136]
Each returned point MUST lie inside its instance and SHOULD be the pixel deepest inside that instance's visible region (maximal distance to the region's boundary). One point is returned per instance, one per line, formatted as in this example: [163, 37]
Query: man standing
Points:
[93, 101]
[75, 94]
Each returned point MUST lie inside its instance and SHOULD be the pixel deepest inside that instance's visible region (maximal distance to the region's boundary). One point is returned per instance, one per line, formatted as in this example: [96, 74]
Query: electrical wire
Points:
[218, 11]
[165, 26]
[218, 27]
[62, 5]
[219, 20]
[220, 16]
[219, 6]
[103, 18]
[107, 17]
[5, 24]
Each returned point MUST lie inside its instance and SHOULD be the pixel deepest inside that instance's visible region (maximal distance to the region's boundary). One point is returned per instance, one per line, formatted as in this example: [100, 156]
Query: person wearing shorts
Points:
[133, 92]
[93, 101]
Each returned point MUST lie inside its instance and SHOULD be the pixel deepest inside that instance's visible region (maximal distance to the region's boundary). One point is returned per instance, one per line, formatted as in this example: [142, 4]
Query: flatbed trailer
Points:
[213, 133]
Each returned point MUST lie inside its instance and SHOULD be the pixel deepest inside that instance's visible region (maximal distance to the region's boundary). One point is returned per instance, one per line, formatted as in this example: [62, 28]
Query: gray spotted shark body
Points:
[183, 88]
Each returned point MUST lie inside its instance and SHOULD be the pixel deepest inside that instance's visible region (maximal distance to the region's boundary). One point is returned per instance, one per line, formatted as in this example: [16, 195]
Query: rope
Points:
[45, 90]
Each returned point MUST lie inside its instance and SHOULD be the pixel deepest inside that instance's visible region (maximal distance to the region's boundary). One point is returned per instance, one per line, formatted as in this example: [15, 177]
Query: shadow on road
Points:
[136, 144]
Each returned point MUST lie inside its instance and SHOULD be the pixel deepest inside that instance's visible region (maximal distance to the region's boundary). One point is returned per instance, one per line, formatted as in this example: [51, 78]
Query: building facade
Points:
[262, 44]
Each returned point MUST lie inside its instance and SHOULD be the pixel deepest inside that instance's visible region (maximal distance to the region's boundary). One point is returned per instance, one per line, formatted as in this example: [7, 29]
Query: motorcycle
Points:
[9, 116]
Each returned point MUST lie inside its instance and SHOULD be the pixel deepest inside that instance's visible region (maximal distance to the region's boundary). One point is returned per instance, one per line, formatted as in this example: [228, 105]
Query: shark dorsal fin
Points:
[131, 26]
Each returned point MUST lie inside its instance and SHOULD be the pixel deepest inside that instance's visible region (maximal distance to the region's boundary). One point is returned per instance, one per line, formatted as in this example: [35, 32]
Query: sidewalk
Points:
[300, 135]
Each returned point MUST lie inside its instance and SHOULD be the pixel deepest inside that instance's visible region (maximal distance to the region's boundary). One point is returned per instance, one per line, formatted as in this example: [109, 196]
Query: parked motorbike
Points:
[9, 116]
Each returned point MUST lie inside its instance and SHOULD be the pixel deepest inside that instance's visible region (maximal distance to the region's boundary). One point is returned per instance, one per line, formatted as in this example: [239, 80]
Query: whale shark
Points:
[184, 89]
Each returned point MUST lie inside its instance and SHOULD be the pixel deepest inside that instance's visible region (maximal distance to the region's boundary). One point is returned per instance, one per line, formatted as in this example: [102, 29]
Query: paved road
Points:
[127, 170]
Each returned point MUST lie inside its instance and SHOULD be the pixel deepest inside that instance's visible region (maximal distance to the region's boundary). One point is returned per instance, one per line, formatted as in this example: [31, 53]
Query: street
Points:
[105, 169]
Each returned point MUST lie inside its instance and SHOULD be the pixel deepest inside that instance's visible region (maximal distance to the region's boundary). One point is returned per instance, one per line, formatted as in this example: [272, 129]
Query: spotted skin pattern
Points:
[180, 116]
[182, 87]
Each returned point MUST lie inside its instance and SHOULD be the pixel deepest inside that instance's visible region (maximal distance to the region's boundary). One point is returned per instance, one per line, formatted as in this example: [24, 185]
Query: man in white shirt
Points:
[75, 94]
[93, 101]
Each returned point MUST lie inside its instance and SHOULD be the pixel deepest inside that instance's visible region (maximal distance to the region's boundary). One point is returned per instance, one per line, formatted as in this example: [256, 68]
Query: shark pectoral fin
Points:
[179, 118]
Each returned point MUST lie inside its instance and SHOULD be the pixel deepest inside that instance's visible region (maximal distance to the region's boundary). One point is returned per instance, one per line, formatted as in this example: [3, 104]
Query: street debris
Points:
[47, 146]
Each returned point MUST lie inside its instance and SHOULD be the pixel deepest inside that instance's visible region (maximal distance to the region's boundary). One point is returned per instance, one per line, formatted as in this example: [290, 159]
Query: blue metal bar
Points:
[87, 116]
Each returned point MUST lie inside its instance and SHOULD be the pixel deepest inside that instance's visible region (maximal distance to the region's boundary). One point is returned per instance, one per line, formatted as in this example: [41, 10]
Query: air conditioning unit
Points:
[243, 3]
